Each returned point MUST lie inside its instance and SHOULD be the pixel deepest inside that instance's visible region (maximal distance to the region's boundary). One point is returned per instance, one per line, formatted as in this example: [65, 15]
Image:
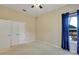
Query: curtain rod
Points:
[73, 13]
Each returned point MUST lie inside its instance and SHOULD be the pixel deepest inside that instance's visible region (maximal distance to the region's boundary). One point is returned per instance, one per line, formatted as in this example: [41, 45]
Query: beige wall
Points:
[9, 14]
[49, 25]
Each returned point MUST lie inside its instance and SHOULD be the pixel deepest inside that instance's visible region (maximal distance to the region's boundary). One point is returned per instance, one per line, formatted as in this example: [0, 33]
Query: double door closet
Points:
[12, 33]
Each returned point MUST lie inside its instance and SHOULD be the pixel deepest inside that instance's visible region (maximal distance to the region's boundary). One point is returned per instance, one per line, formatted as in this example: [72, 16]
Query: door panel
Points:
[4, 34]
[15, 35]
[22, 33]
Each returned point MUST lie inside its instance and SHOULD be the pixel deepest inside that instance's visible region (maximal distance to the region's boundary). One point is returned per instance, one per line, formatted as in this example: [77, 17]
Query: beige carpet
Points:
[35, 48]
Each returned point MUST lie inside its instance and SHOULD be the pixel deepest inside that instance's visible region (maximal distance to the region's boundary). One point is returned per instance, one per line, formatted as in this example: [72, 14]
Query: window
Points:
[73, 21]
[73, 28]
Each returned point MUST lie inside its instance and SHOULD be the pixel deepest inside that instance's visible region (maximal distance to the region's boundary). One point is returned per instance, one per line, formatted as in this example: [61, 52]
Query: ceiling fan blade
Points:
[32, 6]
[40, 6]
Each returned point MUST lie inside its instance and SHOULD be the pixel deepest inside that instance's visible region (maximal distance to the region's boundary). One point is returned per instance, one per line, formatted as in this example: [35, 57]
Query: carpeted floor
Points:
[35, 48]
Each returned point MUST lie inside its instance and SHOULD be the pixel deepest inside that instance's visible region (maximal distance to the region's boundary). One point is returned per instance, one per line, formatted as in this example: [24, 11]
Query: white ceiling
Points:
[34, 11]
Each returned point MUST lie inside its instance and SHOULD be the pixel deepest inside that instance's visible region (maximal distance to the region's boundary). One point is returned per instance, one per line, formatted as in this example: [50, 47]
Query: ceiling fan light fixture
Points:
[36, 5]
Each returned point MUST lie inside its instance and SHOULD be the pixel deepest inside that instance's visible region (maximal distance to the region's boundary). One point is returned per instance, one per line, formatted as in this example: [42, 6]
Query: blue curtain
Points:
[65, 32]
[77, 31]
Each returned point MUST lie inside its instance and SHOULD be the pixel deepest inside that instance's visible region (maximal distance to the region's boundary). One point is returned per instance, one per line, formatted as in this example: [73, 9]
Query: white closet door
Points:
[4, 34]
[22, 33]
[18, 33]
[15, 35]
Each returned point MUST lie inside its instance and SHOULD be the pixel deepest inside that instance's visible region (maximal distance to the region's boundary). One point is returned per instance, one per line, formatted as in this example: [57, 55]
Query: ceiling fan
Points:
[37, 5]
